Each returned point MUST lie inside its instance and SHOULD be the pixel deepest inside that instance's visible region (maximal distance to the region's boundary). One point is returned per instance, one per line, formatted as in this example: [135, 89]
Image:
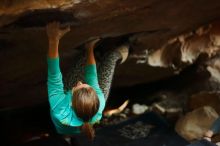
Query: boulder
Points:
[205, 99]
[193, 125]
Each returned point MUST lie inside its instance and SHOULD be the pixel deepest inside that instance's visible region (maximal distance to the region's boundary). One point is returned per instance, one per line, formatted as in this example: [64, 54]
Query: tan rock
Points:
[215, 33]
[167, 56]
[205, 99]
[193, 125]
[213, 67]
[15, 7]
[194, 46]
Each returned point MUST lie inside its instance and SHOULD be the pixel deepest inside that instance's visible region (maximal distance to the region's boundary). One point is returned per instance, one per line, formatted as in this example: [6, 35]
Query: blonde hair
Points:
[86, 105]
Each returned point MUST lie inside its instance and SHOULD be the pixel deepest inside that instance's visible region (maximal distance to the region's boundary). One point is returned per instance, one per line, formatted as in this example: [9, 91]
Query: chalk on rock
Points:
[139, 109]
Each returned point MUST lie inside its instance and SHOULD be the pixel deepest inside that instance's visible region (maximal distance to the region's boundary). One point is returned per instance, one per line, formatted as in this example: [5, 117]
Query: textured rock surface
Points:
[205, 99]
[193, 125]
[146, 25]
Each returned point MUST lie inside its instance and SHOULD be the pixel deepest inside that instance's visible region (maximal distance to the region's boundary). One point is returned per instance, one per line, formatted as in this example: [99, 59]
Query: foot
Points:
[123, 50]
[118, 110]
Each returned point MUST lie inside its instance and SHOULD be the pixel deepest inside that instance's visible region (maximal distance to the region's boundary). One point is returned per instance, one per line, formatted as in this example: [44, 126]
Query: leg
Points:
[76, 73]
[107, 66]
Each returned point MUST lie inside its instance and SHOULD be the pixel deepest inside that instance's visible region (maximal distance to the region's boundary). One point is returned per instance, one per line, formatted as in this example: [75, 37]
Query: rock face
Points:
[146, 25]
[214, 68]
[205, 99]
[194, 124]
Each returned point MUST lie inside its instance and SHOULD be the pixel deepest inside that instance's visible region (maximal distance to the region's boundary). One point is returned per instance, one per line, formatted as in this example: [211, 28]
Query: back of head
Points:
[86, 105]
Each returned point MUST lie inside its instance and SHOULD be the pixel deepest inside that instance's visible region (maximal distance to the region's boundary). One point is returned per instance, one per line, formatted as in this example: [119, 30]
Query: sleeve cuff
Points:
[53, 65]
[90, 68]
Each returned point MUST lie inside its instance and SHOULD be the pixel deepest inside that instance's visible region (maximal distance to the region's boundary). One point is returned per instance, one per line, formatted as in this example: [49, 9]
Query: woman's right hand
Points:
[91, 43]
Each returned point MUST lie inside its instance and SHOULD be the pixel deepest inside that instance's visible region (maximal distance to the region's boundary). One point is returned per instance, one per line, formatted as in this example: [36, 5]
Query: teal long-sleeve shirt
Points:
[62, 114]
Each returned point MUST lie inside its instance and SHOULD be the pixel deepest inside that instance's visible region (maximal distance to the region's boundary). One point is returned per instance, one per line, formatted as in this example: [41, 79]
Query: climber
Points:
[75, 109]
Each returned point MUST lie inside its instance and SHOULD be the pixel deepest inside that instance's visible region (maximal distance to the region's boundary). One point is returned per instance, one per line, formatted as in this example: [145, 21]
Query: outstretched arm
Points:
[92, 79]
[55, 83]
[90, 52]
[90, 68]
[54, 34]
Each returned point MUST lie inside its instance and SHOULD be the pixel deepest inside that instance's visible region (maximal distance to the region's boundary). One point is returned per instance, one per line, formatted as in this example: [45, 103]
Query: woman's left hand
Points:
[92, 43]
[54, 31]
